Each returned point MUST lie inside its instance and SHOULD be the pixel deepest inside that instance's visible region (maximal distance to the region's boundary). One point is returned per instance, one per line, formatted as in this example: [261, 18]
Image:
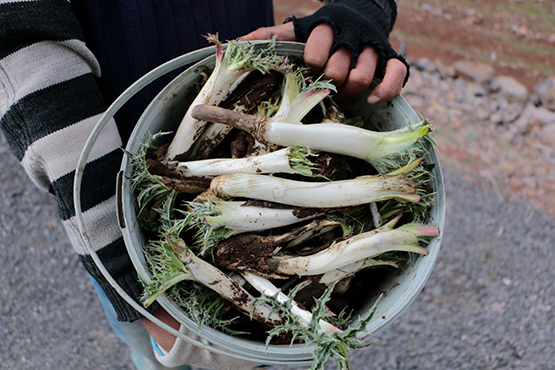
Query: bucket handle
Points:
[137, 86]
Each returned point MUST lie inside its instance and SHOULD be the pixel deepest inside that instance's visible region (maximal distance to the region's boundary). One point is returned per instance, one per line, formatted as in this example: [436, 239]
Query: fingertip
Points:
[395, 73]
[258, 34]
[392, 83]
[284, 32]
[373, 99]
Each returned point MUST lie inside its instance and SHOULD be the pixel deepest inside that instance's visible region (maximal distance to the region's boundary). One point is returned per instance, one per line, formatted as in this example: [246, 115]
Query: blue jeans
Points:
[134, 335]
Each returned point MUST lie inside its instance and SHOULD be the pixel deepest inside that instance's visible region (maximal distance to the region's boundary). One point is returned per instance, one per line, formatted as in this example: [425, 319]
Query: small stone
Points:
[473, 90]
[496, 117]
[546, 93]
[521, 31]
[545, 86]
[482, 114]
[497, 308]
[511, 113]
[445, 72]
[521, 124]
[548, 134]
[541, 114]
[509, 88]
[413, 85]
[475, 71]
[422, 64]
[416, 101]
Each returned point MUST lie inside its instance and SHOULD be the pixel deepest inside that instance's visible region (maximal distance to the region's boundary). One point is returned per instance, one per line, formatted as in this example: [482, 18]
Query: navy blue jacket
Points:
[130, 38]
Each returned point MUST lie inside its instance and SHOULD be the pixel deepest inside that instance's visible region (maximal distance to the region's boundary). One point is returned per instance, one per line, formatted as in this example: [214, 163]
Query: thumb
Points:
[284, 32]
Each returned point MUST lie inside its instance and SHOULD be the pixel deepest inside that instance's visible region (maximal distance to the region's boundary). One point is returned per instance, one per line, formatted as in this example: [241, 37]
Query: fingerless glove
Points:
[356, 23]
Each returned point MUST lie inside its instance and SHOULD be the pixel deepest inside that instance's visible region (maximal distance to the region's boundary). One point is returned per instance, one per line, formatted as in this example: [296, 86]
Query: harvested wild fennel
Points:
[279, 207]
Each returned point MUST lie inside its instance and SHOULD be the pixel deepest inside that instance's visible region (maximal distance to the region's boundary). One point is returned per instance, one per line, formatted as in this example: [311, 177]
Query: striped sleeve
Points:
[49, 103]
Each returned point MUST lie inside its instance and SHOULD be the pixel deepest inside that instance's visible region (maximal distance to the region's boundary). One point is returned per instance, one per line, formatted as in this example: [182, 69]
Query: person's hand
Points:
[161, 336]
[174, 352]
[349, 82]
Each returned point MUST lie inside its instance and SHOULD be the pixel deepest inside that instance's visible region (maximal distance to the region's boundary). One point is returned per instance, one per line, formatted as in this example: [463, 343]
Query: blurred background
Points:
[500, 130]
[484, 73]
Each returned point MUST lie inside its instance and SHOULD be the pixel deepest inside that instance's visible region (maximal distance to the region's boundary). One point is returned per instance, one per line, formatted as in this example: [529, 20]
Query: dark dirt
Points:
[247, 252]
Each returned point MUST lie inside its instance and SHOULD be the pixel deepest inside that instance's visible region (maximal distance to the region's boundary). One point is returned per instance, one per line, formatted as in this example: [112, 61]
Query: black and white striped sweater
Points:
[49, 103]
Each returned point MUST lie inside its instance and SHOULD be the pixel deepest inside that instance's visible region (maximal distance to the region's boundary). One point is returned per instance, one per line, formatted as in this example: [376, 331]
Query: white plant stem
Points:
[344, 193]
[265, 287]
[328, 137]
[274, 162]
[296, 103]
[240, 218]
[212, 93]
[213, 278]
[340, 139]
[350, 250]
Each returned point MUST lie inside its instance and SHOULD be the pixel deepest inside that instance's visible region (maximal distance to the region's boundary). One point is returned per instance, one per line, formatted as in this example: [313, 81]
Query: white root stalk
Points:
[341, 139]
[274, 162]
[350, 250]
[190, 128]
[338, 275]
[215, 133]
[265, 287]
[295, 103]
[240, 218]
[344, 193]
[212, 93]
[213, 278]
[328, 137]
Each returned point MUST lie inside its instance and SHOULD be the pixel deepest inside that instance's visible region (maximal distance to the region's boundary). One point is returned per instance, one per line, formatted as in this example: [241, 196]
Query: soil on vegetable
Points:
[254, 88]
[247, 252]
[308, 293]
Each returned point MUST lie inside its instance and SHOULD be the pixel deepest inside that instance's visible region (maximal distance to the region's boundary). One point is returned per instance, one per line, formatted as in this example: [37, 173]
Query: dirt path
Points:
[516, 37]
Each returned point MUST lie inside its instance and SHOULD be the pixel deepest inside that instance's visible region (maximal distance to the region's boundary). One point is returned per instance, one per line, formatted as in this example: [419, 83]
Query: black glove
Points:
[355, 29]
[383, 12]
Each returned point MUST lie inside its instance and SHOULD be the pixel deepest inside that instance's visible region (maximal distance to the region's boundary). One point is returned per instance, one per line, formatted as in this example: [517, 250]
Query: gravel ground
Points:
[488, 304]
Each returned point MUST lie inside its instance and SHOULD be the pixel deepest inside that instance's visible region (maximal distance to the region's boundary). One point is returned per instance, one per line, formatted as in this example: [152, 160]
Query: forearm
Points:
[49, 103]
[179, 352]
[164, 339]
